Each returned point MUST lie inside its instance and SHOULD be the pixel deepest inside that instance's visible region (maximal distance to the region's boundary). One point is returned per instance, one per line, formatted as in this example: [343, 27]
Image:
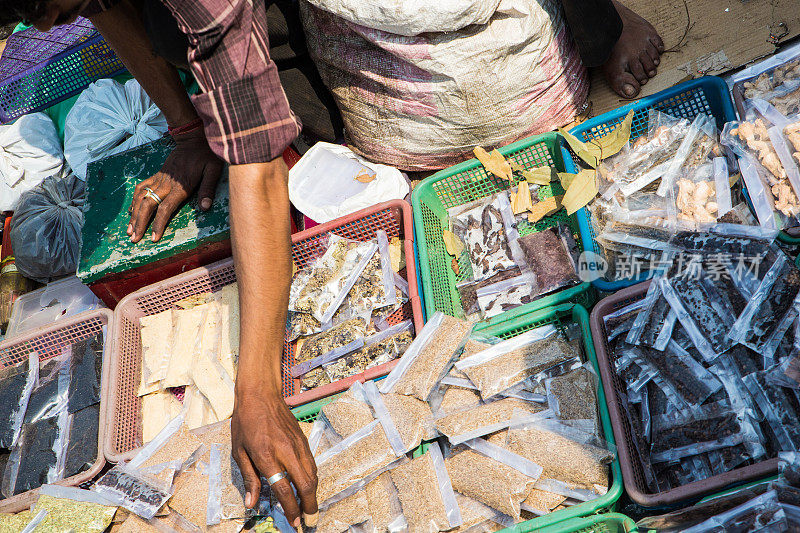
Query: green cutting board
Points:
[110, 184]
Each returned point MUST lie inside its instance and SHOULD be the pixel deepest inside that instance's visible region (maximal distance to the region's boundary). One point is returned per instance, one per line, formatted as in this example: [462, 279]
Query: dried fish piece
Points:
[467, 291]
[315, 378]
[506, 295]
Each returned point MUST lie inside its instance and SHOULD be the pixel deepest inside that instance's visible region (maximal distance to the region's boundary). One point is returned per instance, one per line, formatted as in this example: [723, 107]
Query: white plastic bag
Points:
[323, 184]
[109, 118]
[30, 151]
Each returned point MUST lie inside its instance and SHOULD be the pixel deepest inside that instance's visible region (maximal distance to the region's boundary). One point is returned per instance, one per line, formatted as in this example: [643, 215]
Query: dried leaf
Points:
[590, 153]
[521, 200]
[566, 179]
[536, 176]
[494, 162]
[544, 208]
[454, 266]
[581, 191]
[364, 176]
[613, 142]
[452, 244]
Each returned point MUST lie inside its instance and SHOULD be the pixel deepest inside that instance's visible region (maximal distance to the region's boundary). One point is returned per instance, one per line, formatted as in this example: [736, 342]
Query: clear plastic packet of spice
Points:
[653, 324]
[506, 295]
[697, 147]
[404, 418]
[621, 320]
[51, 389]
[573, 396]
[512, 361]
[551, 255]
[335, 337]
[125, 487]
[426, 493]
[762, 513]
[65, 505]
[349, 412]
[16, 384]
[771, 310]
[777, 407]
[765, 204]
[428, 358]
[329, 280]
[476, 421]
[346, 467]
[691, 380]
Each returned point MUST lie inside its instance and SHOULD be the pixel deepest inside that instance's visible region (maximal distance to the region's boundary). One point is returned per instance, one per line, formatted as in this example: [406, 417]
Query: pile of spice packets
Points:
[512, 426]
[342, 309]
[767, 506]
[49, 416]
[676, 177]
[709, 357]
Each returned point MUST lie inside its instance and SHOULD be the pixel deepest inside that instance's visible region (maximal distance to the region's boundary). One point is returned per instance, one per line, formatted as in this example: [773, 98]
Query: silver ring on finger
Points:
[150, 193]
[271, 480]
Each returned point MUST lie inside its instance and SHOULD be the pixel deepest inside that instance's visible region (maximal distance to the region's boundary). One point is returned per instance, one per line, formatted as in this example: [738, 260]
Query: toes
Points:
[658, 43]
[653, 54]
[648, 64]
[625, 85]
[637, 70]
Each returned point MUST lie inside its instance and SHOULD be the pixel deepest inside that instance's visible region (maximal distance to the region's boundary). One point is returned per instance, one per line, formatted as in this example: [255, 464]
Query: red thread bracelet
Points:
[190, 126]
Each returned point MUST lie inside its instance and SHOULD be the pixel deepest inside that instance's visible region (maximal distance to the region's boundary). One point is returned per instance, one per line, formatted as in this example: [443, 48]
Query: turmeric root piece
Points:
[696, 201]
[755, 136]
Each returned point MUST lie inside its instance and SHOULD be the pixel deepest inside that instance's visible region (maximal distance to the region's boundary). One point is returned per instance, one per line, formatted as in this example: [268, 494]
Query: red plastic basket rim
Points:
[684, 493]
[406, 223]
[23, 501]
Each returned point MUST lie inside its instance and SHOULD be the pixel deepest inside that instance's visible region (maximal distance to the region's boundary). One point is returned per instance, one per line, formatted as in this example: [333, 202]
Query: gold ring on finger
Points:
[150, 193]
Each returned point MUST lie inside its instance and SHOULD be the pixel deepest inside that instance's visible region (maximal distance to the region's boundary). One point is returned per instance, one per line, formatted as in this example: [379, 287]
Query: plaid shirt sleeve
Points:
[244, 109]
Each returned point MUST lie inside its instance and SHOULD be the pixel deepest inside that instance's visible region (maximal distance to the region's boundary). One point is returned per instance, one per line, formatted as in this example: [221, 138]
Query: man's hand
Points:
[191, 163]
[267, 439]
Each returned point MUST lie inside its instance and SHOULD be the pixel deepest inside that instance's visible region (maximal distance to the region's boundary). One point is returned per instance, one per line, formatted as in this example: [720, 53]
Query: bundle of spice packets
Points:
[513, 429]
[767, 506]
[709, 357]
[51, 409]
[340, 309]
[504, 269]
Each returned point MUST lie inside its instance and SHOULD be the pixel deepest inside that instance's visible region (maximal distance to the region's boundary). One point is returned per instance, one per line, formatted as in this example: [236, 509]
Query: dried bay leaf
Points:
[452, 244]
[613, 142]
[494, 162]
[590, 153]
[521, 200]
[544, 208]
[566, 179]
[581, 191]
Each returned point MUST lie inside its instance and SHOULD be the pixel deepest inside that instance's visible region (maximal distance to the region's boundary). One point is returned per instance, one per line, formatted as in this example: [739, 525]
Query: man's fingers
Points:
[252, 483]
[208, 186]
[163, 214]
[283, 491]
[141, 218]
[304, 479]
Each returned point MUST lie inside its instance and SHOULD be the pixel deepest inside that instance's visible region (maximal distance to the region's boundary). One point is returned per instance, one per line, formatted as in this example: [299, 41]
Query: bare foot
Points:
[635, 56]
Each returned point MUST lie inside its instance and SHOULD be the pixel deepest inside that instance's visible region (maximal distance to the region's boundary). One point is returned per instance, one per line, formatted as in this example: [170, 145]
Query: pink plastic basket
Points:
[124, 430]
[48, 342]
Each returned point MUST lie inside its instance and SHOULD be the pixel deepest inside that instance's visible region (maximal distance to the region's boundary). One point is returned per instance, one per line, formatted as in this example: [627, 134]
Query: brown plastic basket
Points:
[48, 342]
[632, 470]
[124, 431]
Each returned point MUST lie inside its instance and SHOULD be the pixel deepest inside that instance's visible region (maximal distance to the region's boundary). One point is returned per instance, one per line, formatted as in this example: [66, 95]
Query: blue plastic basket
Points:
[707, 95]
[39, 69]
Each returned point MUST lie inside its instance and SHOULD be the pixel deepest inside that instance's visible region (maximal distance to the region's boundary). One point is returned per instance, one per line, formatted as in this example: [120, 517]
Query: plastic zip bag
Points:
[760, 513]
[52, 387]
[378, 349]
[418, 483]
[320, 289]
[428, 358]
[16, 384]
[403, 418]
[654, 323]
[551, 255]
[777, 409]
[86, 370]
[771, 310]
[65, 504]
[132, 490]
[512, 361]
[693, 382]
[698, 146]
[573, 396]
[82, 440]
[476, 421]
[505, 295]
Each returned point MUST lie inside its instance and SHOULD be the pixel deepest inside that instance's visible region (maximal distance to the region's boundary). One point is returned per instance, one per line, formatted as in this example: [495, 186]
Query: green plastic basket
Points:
[467, 182]
[561, 315]
[599, 523]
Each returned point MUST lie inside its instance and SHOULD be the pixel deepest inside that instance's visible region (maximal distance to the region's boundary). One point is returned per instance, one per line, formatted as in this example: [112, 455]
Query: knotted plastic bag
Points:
[46, 229]
[109, 118]
[30, 151]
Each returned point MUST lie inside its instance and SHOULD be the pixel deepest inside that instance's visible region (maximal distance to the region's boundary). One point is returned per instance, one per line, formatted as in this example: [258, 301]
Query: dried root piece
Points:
[696, 201]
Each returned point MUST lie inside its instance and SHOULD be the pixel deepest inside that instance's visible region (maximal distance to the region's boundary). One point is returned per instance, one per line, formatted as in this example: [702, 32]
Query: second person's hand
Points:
[190, 164]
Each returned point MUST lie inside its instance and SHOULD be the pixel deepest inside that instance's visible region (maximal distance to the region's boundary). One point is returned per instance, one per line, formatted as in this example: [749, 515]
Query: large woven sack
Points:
[420, 84]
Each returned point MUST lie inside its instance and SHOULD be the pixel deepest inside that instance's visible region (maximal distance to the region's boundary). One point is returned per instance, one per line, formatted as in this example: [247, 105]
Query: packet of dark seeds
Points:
[51, 390]
[86, 369]
[136, 492]
[551, 255]
[762, 513]
[780, 409]
[16, 384]
[693, 383]
[771, 310]
[82, 434]
[653, 325]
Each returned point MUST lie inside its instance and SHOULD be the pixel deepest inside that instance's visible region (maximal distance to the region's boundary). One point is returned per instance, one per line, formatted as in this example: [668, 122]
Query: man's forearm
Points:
[260, 233]
[124, 30]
